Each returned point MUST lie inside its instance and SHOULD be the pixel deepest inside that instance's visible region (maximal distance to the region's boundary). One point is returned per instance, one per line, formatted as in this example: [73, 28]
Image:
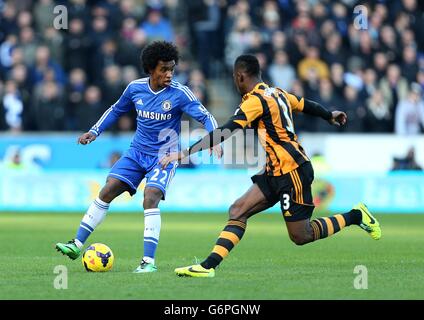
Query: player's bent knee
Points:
[112, 189]
[152, 198]
[107, 194]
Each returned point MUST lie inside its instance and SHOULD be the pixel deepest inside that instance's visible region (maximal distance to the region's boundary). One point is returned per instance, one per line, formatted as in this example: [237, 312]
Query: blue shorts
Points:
[134, 165]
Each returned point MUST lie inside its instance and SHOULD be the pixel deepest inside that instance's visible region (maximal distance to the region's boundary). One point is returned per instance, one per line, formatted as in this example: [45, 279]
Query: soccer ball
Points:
[98, 258]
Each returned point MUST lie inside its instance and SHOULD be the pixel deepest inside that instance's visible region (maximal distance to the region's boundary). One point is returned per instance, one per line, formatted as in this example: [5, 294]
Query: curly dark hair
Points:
[158, 51]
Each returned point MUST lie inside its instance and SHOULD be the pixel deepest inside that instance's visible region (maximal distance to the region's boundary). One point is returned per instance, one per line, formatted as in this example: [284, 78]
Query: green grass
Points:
[265, 265]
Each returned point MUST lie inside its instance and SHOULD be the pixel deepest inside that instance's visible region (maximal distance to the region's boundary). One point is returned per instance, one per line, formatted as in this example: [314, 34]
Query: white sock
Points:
[78, 243]
[152, 224]
[96, 213]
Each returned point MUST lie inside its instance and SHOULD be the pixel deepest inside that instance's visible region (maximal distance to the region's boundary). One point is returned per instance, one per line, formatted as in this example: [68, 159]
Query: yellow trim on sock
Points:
[315, 230]
[220, 250]
[236, 223]
[330, 227]
[340, 220]
[230, 236]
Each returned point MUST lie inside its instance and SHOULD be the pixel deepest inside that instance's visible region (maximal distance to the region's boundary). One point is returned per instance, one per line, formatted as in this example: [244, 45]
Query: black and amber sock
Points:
[327, 226]
[229, 237]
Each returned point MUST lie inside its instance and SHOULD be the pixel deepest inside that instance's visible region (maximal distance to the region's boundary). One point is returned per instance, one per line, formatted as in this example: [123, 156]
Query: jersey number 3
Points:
[286, 201]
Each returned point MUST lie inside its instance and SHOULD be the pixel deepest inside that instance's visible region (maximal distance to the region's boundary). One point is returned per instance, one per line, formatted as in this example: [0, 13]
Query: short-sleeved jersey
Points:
[270, 111]
[158, 115]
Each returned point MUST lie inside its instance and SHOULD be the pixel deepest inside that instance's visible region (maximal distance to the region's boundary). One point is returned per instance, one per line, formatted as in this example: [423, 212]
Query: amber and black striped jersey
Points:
[270, 111]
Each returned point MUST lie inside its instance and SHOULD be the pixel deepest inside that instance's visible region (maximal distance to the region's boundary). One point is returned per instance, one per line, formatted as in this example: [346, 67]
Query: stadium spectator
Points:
[205, 20]
[393, 86]
[182, 71]
[379, 117]
[14, 161]
[197, 83]
[334, 52]
[384, 56]
[13, 107]
[279, 41]
[112, 85]
[282, 74]
[389, 43]
[43, 14]
[409, 118]
[380, 63]
[271, 20]
[129, 73]
[77, 44]
[129, 49]
[54, 40]
[28, 44]
[90, 108]
[337, 77]
[8, 20]
[79, 9]
[131, 8]
[157, 27]
[326, 97]
[369, 78]
[313, 62]
[74, 95]
[48, 111]
[43, 63]
[239, 39]
[19, 74]
[409, 63]
[6, 54]
[407, 163]
[354, 109]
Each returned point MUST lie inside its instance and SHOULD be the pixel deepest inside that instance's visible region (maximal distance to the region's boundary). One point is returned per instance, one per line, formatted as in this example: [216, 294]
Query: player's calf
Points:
[152, 197]
[301, 239]
[112, 189]
[300, 232]
[236, 212]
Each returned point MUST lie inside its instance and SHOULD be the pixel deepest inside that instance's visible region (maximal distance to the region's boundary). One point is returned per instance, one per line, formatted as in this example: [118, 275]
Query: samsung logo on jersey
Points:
[154, 115]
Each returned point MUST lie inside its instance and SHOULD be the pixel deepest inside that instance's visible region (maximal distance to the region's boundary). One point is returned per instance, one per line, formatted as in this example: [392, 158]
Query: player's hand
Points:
[171, 157]
[217, 151]
[339, 118]
[86, 138]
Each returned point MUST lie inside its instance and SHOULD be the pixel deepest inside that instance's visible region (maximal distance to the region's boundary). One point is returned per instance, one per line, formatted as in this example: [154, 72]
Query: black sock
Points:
[229, 237]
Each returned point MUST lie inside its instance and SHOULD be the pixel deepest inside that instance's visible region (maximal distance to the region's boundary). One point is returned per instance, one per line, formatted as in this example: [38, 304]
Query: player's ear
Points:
[241, 77]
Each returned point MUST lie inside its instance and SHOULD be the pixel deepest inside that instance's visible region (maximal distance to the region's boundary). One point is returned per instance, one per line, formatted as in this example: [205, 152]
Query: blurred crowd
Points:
[367, 61]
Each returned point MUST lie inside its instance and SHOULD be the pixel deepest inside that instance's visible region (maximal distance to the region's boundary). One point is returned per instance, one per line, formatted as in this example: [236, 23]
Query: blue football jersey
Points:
[158, 115]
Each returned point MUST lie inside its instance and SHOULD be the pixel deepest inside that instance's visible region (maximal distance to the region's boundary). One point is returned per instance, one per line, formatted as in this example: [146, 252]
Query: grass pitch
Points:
[265, 265]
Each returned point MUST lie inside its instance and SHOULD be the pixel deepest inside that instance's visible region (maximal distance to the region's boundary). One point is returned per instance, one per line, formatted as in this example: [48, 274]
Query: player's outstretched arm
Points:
[313, 108]
[338, 118]
[86, 138]
[211, 140]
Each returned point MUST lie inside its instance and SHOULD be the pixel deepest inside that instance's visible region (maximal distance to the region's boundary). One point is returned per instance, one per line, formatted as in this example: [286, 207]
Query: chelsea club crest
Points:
[166, 105]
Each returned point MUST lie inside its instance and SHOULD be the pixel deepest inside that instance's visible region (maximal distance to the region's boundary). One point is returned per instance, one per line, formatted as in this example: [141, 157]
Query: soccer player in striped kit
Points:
[159, 102]
[288, 175]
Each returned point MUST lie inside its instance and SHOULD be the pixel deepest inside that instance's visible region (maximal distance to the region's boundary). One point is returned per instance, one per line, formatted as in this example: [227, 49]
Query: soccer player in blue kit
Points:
[159, 102]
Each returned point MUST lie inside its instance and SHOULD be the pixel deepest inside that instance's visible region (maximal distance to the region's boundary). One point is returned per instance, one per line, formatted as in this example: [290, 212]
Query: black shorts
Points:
[293, 190]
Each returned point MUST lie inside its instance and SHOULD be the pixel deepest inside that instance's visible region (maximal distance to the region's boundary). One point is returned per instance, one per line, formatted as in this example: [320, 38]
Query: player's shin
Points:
[152, 224]
[228, 239]
[94, 216]
[327, 226]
